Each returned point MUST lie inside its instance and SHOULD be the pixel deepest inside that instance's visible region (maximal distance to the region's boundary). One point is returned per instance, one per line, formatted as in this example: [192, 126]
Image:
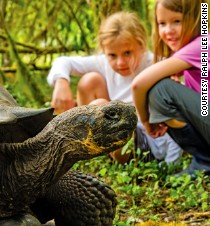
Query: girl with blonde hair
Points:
[108, 76]
[162, 102]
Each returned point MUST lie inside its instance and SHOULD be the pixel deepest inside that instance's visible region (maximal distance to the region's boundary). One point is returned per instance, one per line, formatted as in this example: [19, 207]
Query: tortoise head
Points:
[77, 134]
[96, 130]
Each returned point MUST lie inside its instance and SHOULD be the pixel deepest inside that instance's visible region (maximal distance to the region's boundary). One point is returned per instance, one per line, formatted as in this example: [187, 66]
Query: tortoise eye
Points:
[111, 115]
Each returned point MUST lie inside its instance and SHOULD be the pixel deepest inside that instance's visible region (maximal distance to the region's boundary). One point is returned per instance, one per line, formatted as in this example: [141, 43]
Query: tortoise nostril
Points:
[111, 115]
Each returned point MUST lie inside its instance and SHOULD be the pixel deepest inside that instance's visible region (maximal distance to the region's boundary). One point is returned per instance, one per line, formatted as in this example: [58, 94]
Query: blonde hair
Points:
[122, 24]
[191, 24]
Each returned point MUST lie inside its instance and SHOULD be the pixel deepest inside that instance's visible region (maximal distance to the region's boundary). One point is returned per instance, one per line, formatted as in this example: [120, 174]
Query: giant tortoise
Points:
[37, 150]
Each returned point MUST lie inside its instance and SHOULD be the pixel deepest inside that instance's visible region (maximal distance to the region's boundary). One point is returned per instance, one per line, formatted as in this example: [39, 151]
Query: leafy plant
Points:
[147, 190]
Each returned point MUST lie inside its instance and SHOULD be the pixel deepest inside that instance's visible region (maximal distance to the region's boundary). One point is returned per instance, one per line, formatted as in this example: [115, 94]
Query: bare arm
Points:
[148, 78]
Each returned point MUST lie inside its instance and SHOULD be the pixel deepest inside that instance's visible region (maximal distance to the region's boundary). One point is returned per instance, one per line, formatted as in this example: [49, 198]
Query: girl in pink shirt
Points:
[191, 53]
[162, 102]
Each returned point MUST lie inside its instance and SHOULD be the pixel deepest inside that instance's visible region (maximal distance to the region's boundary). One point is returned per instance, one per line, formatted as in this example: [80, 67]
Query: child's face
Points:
[170, 26]
[124, 56]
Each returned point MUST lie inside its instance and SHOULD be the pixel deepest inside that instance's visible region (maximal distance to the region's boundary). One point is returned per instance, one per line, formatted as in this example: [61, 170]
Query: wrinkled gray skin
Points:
[35, 171]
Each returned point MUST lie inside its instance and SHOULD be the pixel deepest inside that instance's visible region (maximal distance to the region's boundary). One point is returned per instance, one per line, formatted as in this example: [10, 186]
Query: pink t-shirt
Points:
[191, 53]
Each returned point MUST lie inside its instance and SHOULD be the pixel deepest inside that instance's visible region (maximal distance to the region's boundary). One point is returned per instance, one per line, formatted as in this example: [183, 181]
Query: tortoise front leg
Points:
[78, 199]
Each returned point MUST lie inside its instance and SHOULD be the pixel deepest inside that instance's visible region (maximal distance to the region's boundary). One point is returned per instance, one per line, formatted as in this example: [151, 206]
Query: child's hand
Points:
[62, 98]
[155, 129]
[176, 78]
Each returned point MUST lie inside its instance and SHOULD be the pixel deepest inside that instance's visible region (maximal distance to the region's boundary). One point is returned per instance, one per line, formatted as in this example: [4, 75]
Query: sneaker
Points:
[193, 167]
